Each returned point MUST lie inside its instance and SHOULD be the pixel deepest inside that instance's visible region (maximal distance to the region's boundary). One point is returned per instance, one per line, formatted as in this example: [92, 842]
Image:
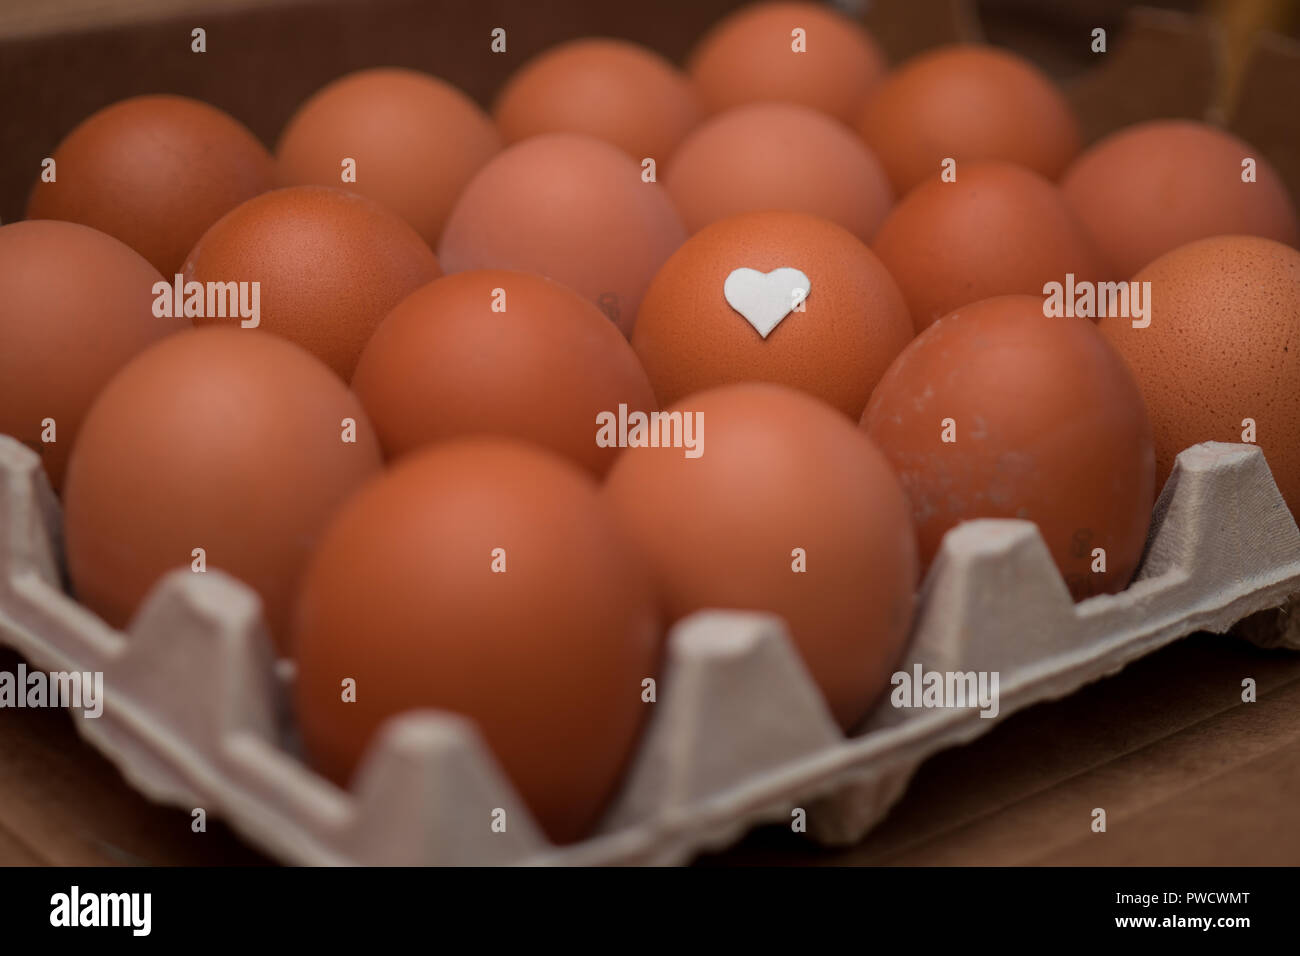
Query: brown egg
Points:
[613, 90]
[155, 172]
[1224, 313]
[967, 103]
[571, 208]
[75, 305]
[414, 142]
[778, 156]
[996, 411]
[219, 439]
[1153, 187]
[484, 577]
[853, 321]
[329, 266]
[787, 509]
[502, 353]
[803, 53]
[998, 230]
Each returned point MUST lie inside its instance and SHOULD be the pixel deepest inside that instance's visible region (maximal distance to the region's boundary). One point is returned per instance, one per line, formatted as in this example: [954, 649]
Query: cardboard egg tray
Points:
[195, 705]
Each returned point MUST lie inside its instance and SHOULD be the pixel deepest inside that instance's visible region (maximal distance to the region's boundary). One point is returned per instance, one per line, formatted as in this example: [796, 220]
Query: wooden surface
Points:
[62, 803]
[1186, 772]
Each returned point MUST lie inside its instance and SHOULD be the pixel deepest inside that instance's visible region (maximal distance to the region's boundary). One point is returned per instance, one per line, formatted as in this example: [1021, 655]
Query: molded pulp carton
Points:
[195, 706]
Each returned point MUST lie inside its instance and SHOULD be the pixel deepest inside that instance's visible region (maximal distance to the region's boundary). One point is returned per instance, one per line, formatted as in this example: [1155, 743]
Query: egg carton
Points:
[196, 706]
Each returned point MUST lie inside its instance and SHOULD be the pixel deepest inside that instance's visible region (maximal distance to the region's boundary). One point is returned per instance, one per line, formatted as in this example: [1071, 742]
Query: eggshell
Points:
[1047, 424]
[1225, 312]
[967, 103]
[503, 353]
[751, 56]
[414, 139]
[571, 208]
[220, 439]
[75, 305]
[853, 324]
[154, 172]
[788, 509]
[778, 156]
[1150, 188]
[330, 264]
[613, 90]
[545, 654]
[998, 230]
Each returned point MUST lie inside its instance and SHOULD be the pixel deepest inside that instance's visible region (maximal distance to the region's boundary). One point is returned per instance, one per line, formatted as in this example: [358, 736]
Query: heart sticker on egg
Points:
[765, 298]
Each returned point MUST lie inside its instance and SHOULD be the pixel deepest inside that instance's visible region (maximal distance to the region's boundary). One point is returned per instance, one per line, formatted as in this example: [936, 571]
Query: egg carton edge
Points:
[739, 737]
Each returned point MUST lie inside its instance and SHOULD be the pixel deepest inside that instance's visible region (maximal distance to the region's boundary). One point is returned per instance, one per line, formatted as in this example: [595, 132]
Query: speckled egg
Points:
[572, 208]
[999, 229]
[1153, 187]
[778, 156]
[155, 172]
[328, 264]
[1215, 363]
[997, 411]
[773, 297]
[617, 91]
[968, 102]
[805, 53]
[407, 140]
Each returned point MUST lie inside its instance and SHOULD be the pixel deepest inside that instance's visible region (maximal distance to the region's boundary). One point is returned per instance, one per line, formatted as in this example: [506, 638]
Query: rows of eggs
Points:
[416, 430]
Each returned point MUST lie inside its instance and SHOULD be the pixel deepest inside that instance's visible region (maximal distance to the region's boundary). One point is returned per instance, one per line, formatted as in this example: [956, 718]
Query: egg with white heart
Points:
[764, 299]
[778, 297]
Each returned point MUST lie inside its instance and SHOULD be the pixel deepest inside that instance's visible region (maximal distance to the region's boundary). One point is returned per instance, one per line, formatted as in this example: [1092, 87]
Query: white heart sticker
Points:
[764, 299]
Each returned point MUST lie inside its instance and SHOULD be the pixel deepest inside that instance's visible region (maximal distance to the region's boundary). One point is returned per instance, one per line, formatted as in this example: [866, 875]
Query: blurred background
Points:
[1231, 61]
